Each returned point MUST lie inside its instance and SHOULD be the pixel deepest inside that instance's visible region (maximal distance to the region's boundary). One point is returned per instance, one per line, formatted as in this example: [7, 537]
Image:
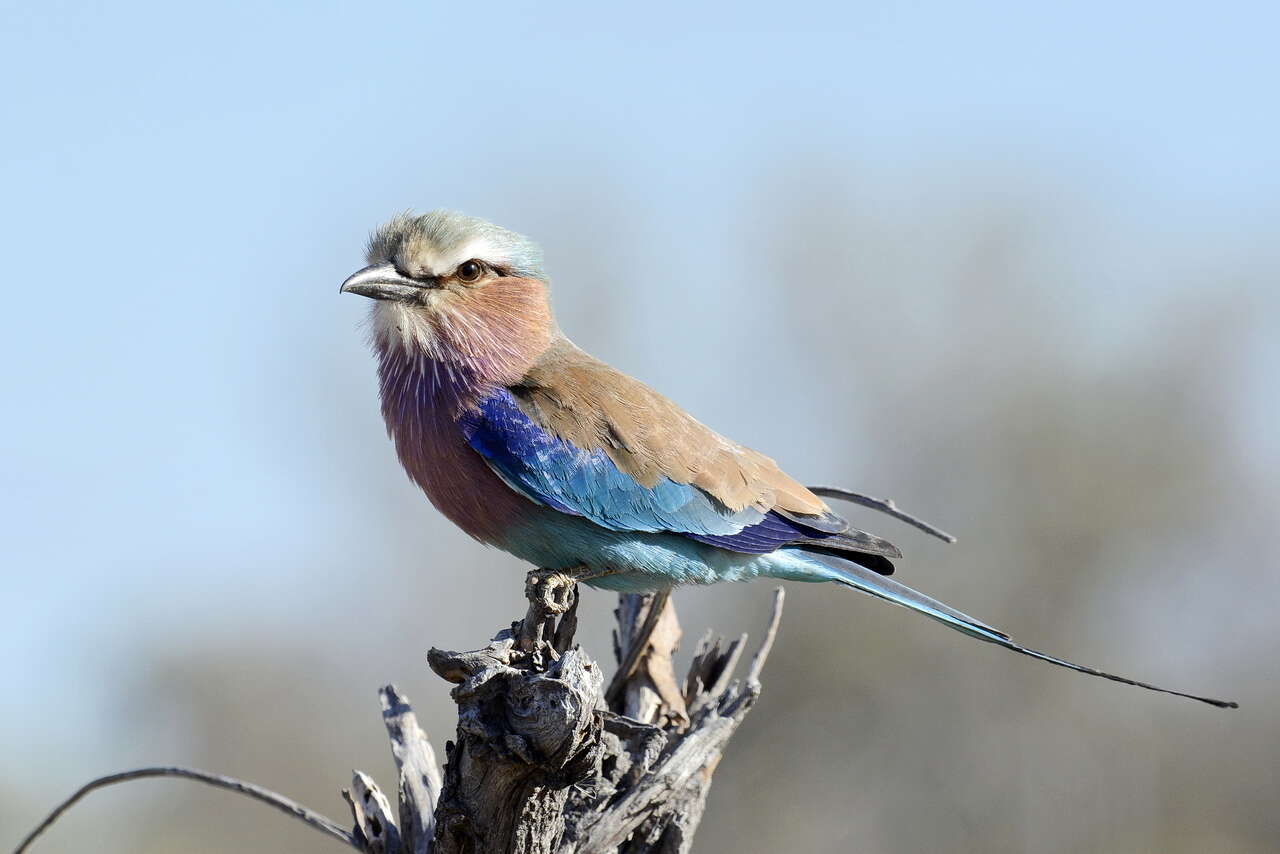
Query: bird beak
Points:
[383, 281]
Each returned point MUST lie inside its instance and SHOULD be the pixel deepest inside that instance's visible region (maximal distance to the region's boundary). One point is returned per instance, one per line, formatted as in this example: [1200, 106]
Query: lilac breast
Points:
[421, 399]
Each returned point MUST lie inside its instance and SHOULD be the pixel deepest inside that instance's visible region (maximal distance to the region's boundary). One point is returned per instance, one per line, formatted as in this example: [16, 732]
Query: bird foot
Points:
[552, 616]
[551, 590]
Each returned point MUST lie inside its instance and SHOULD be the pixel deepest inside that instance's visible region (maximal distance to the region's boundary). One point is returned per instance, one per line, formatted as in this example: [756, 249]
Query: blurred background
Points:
[1015, 266]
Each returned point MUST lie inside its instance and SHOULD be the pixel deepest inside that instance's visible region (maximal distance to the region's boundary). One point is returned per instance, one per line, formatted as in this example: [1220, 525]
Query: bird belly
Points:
[635, 561]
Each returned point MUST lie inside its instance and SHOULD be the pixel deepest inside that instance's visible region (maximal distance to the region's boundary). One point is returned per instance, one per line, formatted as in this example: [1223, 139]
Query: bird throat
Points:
[415, 386]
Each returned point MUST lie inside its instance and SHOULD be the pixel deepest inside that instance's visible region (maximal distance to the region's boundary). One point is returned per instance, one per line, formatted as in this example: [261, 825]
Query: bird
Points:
[529, 444]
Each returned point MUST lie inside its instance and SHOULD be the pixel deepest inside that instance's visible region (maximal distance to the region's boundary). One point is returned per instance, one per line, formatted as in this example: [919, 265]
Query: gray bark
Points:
[546, 760]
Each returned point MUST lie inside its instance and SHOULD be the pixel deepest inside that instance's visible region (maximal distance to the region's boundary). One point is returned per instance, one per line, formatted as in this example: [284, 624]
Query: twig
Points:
[420, 780]
[766, 645]
[636, 649]
[266, 796]
[376, 829]
[884, 505]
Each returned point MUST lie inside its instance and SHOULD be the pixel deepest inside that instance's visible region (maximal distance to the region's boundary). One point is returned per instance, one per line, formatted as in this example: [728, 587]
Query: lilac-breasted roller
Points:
[529, 444]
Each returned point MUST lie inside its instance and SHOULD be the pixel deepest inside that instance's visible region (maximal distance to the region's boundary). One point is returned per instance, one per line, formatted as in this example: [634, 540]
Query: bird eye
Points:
[469, 271]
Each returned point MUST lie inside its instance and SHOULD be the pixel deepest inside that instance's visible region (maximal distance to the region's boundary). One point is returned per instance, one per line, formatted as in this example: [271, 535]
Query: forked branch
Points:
[545, 760]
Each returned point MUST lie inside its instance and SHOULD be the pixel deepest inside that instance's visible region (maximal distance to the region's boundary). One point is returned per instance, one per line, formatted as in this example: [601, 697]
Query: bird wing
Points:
[590, 477]
[592, 405]
[585, 481]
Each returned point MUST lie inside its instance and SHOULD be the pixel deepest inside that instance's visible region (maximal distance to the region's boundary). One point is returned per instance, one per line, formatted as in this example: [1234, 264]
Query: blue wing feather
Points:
[771, 532]
[585, 482]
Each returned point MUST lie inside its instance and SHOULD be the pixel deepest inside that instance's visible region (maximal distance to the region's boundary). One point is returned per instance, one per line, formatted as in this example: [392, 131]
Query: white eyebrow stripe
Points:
[443, 263]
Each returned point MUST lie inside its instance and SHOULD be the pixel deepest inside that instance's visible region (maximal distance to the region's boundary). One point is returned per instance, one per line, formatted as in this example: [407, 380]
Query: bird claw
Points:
[550, 589]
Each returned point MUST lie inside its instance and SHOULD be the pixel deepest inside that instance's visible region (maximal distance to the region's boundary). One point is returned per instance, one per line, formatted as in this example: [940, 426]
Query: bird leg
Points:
[553, 593]
[553, 587]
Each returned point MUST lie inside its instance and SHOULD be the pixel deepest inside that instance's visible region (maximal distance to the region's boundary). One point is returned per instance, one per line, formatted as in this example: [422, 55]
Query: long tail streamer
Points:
[873, 584]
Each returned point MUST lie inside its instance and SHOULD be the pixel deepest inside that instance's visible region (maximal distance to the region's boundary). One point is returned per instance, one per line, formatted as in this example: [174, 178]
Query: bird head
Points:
[459, 290]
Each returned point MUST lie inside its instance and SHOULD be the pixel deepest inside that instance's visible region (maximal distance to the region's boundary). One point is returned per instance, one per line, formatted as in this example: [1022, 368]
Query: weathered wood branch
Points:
[544, 763]
[258, 793]
[420, 780]
[546, 760]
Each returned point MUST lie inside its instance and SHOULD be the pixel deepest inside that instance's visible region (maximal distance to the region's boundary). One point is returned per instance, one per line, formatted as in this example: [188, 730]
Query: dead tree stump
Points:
[547, 760]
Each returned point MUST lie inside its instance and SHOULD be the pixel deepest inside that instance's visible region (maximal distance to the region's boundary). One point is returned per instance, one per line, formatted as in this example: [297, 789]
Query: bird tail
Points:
[860, 578]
